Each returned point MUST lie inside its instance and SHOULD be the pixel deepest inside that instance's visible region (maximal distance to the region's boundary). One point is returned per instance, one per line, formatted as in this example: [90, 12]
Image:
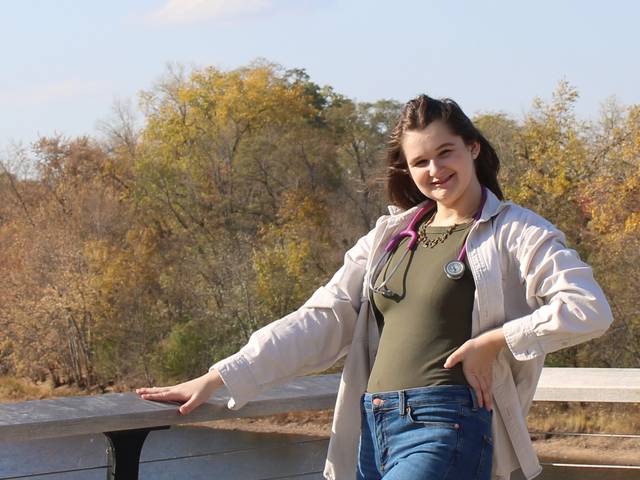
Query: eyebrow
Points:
[446, 144]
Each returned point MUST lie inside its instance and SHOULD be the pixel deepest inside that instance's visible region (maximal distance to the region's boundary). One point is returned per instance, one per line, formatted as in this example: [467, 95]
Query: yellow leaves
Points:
[288, 262]
[616, 201]
[211, 102]
[115, 270]
[632, 224]
[585, 178]
[559, 184]
[217, 141]
[176, 256]
[245, 97]
[627, 140]
[552, 162]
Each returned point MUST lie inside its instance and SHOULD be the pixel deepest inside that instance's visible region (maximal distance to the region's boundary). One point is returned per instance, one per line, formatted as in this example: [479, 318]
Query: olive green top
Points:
[428, 318]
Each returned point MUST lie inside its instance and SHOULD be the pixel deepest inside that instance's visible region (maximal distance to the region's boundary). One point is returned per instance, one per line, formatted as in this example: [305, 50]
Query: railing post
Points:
[123, 452]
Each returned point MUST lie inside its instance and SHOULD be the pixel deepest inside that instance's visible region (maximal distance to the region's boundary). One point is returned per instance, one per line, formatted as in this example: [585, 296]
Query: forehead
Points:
[428, 139]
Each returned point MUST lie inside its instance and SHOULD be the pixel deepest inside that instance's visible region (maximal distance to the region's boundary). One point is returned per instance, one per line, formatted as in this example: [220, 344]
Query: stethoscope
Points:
[453, 269]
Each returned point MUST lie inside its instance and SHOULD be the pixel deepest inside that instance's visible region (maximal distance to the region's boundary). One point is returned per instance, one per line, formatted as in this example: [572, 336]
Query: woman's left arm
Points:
[572, 307]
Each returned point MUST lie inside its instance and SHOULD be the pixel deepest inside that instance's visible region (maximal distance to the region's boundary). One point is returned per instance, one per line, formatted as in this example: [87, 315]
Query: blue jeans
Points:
[430, 433]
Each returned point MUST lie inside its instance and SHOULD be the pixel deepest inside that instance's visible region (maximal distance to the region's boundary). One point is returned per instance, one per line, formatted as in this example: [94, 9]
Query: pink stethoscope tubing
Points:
[410, 231]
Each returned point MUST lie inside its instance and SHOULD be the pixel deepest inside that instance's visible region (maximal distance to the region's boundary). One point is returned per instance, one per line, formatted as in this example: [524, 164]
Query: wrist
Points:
[495, 339]
[213, 377]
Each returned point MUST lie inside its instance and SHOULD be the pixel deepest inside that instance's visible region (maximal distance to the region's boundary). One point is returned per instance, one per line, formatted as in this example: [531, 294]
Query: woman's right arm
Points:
[307, 340]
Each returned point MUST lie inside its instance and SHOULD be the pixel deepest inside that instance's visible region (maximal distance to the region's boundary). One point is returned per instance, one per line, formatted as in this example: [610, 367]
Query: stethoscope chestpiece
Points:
[454, 269]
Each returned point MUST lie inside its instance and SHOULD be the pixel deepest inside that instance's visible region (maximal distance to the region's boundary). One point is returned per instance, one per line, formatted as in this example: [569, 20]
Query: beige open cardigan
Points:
[526, 280]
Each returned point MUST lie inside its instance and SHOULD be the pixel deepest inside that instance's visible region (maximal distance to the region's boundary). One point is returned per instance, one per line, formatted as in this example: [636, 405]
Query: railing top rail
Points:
[615, 385]
[124, 411]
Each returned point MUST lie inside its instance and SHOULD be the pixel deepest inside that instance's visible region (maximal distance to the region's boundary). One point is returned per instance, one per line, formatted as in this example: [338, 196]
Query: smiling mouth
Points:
[443, 182]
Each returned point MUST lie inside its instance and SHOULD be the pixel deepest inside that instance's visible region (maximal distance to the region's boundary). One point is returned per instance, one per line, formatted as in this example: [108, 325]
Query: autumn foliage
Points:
[149, 253]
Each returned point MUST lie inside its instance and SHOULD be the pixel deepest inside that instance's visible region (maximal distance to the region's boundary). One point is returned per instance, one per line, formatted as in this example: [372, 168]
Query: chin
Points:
[446, 198]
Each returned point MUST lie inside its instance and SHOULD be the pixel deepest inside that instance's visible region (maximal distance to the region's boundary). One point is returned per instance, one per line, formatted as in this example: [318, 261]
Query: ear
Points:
[475, 150]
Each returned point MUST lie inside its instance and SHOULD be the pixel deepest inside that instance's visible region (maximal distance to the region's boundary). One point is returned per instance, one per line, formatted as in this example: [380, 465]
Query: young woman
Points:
[445, 311]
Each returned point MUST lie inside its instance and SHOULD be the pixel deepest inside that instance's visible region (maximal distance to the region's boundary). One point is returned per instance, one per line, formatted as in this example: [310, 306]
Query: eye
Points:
[445, 152]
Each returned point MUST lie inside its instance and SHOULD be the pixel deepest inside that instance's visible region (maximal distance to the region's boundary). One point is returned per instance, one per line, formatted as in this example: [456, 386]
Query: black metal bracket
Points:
[123, 452]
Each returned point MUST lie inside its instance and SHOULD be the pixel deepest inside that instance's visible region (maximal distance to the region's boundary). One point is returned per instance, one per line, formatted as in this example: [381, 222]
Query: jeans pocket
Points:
[434, 416]
[481, 414]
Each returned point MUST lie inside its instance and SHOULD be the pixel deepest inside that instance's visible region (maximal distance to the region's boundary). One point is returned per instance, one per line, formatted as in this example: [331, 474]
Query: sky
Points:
[66, 62]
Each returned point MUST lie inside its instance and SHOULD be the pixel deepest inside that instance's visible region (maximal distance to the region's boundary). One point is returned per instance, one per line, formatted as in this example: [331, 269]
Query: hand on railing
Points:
[194, 392]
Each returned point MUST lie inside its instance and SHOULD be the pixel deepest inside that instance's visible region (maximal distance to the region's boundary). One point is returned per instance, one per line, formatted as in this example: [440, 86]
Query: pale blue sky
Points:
[66, 61]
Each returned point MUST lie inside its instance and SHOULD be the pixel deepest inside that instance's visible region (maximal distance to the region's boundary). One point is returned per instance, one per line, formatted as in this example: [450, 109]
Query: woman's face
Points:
[440, 163]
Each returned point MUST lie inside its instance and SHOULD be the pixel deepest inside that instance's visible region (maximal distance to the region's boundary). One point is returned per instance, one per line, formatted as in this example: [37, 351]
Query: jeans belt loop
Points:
[401, 403]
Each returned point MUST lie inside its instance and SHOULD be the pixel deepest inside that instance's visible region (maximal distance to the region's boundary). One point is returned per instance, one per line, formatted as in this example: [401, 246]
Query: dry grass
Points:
[585, 417]
[14, 390]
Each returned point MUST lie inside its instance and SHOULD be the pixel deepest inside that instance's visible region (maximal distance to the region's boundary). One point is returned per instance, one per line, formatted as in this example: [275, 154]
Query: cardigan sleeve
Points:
[307, 340]
[571, 307]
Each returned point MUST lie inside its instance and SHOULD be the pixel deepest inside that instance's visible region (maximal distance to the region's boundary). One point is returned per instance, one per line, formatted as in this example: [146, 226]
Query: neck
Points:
[462, 210]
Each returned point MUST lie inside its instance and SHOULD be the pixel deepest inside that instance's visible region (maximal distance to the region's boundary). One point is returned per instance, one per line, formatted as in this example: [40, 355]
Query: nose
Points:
[434, 167]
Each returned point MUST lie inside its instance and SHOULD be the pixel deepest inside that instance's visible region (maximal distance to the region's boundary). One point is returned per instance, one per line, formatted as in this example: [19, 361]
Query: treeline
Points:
[149, 253]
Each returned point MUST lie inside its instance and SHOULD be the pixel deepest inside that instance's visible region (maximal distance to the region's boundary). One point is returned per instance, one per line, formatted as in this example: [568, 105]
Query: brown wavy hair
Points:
[417, 114]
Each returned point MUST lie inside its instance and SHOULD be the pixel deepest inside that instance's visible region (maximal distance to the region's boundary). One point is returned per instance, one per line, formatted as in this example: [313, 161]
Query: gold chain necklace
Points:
[431, 239]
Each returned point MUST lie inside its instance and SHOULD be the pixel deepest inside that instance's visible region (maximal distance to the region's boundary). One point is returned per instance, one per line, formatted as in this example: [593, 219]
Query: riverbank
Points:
[550, 448]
